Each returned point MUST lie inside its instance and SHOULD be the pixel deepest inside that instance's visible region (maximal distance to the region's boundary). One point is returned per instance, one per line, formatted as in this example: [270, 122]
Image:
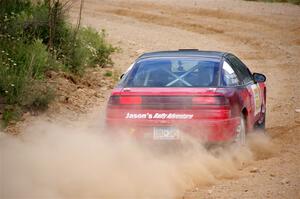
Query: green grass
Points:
[22, 80]
[297, 2]
[90, 49]
[24, 56]
[108, 74]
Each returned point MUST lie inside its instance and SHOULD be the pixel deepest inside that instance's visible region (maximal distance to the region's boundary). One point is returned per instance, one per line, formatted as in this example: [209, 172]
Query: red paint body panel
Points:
[210, 122]
[188, 92]
[206, 130]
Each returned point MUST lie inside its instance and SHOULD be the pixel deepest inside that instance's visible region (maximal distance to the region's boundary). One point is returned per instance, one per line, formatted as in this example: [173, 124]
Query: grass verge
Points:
[29, 48]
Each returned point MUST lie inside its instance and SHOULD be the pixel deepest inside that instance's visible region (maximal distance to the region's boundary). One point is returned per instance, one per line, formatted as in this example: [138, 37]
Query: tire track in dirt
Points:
[197, 12]
[162, 20]
[190, 20]
[269, 42]
[178, 23]
[263, 41]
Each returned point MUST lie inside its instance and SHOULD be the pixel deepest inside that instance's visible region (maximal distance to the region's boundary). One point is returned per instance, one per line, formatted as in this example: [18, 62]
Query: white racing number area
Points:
[256, 98]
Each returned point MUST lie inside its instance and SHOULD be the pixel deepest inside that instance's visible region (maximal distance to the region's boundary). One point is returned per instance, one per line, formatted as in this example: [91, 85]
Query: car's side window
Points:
[229, 77]
[242, 70]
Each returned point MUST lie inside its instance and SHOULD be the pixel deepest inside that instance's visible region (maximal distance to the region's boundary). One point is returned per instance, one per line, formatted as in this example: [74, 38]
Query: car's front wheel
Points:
[240, 137]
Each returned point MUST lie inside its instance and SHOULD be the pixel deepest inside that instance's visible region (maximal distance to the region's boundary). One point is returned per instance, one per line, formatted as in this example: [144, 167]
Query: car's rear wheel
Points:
[261, 125]
[240, 137]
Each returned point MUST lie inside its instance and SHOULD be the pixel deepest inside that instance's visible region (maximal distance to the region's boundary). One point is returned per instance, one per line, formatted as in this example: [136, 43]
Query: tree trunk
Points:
[50, 41]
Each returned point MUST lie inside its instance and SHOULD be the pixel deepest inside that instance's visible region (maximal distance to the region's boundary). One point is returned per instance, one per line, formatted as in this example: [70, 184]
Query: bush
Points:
[8, 7]
[23, 19]
[22, 69]
[11, 113]
[20, 65]
[99, 50]
[34, 23]
[26, 53]
[37, 96]
[108, 74]
[88, 49]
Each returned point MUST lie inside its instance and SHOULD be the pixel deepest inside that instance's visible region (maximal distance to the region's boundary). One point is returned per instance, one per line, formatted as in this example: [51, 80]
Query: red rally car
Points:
[208, 95]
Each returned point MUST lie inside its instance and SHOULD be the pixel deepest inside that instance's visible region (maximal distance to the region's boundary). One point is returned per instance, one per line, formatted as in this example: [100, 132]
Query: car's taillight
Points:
[125, 100]
[114, 100]
[209, 100]
[169, 100]
[130, 100]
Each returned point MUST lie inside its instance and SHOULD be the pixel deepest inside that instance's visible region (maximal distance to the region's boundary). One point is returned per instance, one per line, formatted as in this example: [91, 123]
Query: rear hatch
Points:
[166, 106]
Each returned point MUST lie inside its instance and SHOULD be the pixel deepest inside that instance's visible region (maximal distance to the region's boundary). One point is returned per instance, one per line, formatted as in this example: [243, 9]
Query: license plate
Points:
[165, 133]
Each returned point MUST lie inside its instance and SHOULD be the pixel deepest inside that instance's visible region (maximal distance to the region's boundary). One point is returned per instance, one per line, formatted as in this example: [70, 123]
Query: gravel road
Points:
[65, 153]
[266, 36]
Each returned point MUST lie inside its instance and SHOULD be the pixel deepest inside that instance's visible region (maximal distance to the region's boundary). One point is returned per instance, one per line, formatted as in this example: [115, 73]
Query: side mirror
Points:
[259, 77]
[122, 76]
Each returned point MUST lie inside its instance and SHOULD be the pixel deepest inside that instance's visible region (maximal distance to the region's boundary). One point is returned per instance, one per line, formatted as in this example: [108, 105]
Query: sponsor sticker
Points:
[256, 98]
[163, 116]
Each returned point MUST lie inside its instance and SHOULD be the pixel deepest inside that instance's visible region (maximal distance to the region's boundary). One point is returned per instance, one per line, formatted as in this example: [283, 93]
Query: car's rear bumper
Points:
[220, 130]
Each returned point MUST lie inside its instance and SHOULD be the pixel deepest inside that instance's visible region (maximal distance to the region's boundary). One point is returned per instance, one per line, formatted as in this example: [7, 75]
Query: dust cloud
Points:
[78, 160]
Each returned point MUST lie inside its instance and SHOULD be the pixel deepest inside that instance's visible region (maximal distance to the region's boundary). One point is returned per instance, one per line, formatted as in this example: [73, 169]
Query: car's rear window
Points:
[174, 72]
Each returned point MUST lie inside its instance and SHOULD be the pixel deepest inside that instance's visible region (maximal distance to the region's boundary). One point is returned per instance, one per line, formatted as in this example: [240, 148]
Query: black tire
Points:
[240, 137]
[261, 126]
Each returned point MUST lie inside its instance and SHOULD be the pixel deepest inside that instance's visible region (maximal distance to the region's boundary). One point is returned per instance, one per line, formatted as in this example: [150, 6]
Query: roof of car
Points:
[183, 53]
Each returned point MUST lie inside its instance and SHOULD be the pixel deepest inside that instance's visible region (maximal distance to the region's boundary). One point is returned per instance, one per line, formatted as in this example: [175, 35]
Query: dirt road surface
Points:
[266, 36]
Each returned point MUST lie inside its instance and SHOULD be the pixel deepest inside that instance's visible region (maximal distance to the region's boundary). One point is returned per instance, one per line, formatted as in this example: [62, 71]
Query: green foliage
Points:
[88, 48]
[8, 7]
[22, 70]
[41, 100]
[19, 65]
[99, 50]
[37, 96]
[26, 53]
[11, 113]
[295, 2]
[108, 74]
[34, 23]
